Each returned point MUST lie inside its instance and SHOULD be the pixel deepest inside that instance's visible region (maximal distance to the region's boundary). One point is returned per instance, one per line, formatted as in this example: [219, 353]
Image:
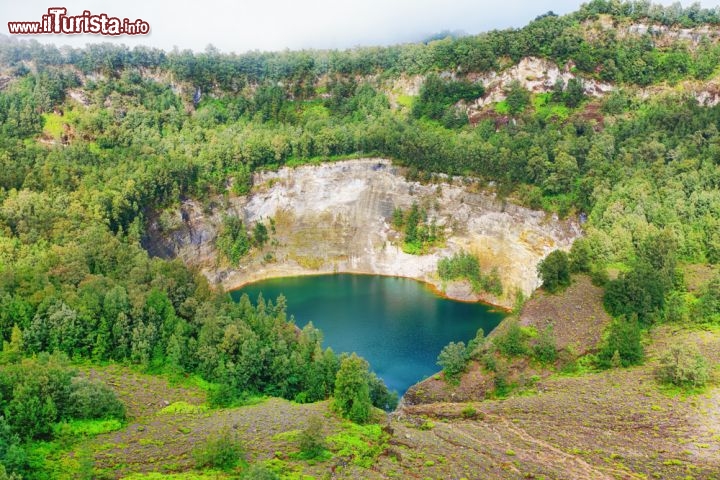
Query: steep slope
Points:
[337, 218]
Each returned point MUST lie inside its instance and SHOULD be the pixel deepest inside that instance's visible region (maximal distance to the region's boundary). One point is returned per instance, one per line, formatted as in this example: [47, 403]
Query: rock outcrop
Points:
[336, 217]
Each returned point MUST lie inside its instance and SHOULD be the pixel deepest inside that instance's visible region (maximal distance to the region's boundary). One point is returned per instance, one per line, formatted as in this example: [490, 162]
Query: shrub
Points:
[554, 271]
[683, 366]
[546, 348]
[453, 359]
[580, 256]
[222, 451]
[312, 441]
[468, 412]
[91, 399]
[477, 344]
[624, 338]
[259, 472]
[513, 342]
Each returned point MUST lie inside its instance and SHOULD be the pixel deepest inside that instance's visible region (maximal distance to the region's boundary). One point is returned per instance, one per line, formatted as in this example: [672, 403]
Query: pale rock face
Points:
[337, 217]
[536, 75]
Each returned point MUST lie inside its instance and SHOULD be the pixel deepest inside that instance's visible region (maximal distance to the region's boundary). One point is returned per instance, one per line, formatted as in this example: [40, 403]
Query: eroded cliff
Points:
[336, 217]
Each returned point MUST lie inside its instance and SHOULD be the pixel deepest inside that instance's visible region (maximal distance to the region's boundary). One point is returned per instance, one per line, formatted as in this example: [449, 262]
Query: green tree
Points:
[683, 366]
[623, 340]
[574, 92]
[221, 450]
[352, 393]
[260, 234]
[453, 359]
[580, 256]
[554, 271]
[513, 341]
[545, 348]
[517, 97]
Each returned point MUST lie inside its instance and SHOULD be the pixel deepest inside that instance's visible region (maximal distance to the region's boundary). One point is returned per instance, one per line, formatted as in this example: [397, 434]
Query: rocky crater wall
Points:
[336, 217]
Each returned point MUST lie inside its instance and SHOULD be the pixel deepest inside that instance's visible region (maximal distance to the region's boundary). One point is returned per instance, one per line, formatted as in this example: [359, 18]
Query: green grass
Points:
[206, 475]
[362, 444]
[502, 108]
[87, 428]
[405, 101]
[544, 108]
[53, 123]
[183, 408]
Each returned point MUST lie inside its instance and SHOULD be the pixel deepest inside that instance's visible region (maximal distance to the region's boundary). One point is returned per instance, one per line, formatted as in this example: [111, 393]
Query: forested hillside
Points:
[94, 141]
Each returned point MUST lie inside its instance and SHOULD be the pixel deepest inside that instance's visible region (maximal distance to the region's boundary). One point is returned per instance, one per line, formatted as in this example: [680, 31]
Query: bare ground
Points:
[617, 424]
[578, 319]
[614, 424]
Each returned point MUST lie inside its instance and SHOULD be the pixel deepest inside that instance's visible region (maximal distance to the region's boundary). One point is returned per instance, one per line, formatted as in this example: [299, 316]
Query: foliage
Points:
[453, 359]
[43, 399]
[517, 97]
[623, 343]
[233, 240]
[512, 342]
[580, 256]
[682, 366]
[466, 266]
[221, 450]
[419, 235]
[258, 472]
[359, 444]
[638, 292]
[75, 200]
[477, 344]
[709, 302]
[352, 393]
[554, 271]
[92, 399]
[312, 441]
[437, 100]
[545, 348]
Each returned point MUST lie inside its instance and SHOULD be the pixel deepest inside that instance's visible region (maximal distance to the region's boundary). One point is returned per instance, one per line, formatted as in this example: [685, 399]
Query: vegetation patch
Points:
[183, 408]
[466, 266]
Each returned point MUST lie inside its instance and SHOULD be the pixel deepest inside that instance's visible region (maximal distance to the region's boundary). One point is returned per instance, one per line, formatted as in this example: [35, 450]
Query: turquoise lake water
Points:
[398, 325]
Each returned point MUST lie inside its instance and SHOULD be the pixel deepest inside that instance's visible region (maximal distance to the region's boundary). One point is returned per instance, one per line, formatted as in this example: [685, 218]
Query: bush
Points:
[513, 342]
[91, 399]
[453, 359]
[546, 348]
[221, 451]
[683, 366]
[259, 472]
[469, 412]
[476, 346]
[554, 271]
[312, 441]
[580, 256]
[623, 343]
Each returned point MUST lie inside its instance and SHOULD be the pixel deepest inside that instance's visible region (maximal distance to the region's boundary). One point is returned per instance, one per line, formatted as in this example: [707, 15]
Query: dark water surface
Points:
[397, 324]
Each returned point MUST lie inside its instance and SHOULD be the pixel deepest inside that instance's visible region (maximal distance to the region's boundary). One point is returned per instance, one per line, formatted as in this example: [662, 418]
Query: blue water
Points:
[397, 324]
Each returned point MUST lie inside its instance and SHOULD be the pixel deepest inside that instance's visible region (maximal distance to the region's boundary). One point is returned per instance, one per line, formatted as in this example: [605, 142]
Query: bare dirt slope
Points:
[336, 218]
[578, 320]
[617, 424]
[614, 424]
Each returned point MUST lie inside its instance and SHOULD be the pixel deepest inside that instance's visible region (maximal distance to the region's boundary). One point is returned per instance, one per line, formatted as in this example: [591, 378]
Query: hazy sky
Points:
[294, 24]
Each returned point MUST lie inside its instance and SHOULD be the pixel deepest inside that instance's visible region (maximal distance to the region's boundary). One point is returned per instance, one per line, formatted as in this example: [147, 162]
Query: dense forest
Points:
[95, 140]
